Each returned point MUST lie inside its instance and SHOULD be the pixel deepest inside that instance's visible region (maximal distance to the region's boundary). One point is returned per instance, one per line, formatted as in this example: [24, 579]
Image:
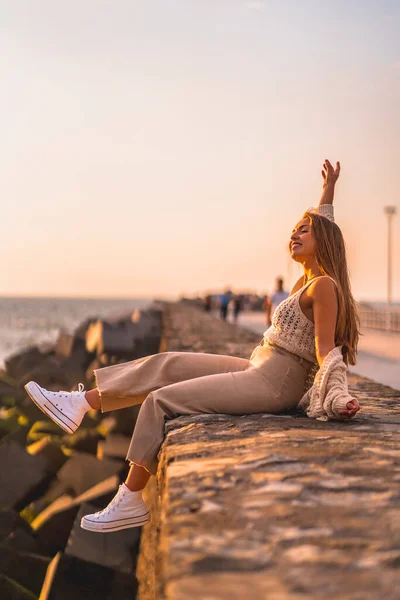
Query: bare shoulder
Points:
[324, 290]
[299, 284]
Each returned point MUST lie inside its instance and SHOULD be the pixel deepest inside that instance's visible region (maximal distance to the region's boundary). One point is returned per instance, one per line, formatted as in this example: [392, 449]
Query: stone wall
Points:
[277, 507]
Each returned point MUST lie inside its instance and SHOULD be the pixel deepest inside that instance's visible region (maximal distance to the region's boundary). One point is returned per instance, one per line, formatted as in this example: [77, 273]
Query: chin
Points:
[295, 257]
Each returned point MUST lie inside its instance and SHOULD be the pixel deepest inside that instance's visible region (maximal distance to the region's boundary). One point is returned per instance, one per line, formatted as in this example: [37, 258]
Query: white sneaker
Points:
[127, 509]
[67, 409]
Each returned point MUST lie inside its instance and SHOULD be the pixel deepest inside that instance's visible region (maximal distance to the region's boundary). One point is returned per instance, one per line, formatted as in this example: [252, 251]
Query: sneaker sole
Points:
[108, 527]
[48, 408]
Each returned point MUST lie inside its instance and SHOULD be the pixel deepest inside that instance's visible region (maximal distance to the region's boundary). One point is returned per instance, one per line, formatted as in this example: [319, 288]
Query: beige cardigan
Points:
[329, 393]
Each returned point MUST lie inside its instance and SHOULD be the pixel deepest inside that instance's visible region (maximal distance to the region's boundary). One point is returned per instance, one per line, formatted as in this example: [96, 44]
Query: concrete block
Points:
[70, 577]
[117, 550]
[9, 522]
[114, 446]
[24, 476]
[53, 525]
[69, 344]
[51, 450]
[129, 337]
[18, 435]
[27, 569]
[83, 440]
[125, 419]
[21, 362]
[24, 541]
[41, 429]
[83, 471]
[11, 590]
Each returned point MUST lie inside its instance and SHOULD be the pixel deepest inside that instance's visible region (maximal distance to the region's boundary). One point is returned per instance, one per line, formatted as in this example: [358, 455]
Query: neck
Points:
[311, 270]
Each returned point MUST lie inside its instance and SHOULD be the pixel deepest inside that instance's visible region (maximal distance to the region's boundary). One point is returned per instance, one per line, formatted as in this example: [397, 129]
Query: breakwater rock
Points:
[272, 507]
[49, 480]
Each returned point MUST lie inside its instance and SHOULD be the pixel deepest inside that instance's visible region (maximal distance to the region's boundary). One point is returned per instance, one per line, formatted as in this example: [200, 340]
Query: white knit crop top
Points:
[290, 328]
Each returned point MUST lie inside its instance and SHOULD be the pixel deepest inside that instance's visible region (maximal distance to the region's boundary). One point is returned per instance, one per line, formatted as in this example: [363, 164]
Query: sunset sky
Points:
[169, 146]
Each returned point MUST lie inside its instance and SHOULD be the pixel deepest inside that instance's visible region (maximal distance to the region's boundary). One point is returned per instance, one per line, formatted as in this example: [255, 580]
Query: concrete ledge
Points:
[277, 507]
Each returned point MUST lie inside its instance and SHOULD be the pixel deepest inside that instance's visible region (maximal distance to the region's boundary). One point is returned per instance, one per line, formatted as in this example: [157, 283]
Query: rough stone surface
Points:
[277, 507]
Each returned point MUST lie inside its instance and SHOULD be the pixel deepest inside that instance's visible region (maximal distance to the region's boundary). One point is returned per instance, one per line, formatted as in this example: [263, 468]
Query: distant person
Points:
[278, 296]
[315, 328]
[224, 301]
[208, 303]
[237, 306]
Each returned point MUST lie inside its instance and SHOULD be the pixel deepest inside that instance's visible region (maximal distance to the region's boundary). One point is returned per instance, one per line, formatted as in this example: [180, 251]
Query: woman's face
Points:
[302, 241]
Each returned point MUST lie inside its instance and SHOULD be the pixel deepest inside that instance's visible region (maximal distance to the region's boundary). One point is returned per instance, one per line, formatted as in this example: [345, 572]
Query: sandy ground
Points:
[378, 356]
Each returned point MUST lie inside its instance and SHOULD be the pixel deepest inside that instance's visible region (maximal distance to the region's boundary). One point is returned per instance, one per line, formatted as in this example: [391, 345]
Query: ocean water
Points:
[34, 321]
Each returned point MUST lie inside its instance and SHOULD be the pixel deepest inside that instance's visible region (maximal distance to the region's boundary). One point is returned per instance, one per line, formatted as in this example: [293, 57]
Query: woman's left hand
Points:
[330, 174]
[352, 408]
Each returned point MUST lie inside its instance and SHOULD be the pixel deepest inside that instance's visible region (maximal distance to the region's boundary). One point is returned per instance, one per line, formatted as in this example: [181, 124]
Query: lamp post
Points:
[390, 211]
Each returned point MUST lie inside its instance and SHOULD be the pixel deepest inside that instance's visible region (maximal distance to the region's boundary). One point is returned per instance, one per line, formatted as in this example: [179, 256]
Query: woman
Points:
[316, 322]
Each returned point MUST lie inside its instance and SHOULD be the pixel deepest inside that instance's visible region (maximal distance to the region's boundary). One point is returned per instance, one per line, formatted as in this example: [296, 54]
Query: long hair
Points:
[331, 260]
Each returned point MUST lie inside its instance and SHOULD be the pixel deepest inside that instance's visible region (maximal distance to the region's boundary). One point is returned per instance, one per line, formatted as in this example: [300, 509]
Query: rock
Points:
[45, 429]
[18, 364]
[68, 344]
[98, 363]
[83, 471]
[18, 435]
[8, 421]
[28, 570]
[80, 331]
[28, 408]
[53, 525]
[11, 590]
[9, 522]
[128, 338]
[125, 420]
[114, 446]
[22, 540]
[51, 450]
[83, 440]
[49, 374]
[69, 577]
[117, 551]
[24, 476]
[117, 339]
[8, 386]
[148, 332]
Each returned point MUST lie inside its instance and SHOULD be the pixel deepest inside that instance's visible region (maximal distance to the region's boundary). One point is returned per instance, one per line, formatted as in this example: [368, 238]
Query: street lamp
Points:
[390, 211]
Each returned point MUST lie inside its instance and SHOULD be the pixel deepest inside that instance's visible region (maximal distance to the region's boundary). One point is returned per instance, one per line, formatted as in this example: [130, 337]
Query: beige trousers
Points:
[180, 383]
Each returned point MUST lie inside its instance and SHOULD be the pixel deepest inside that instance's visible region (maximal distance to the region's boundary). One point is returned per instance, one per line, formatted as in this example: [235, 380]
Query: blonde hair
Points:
[331, 260]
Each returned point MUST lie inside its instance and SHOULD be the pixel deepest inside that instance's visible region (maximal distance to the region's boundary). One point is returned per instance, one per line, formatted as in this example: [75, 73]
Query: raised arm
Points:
[330, 176]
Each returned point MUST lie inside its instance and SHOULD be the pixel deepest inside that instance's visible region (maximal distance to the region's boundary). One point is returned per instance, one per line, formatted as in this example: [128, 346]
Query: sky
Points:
[168, 147]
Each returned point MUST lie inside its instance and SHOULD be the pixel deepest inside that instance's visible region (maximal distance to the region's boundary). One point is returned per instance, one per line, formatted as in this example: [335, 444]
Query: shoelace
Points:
[81, 388]
[114, 502]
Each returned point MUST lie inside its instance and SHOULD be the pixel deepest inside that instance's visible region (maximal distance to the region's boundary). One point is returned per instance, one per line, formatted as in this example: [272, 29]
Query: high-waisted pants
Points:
[170, 384]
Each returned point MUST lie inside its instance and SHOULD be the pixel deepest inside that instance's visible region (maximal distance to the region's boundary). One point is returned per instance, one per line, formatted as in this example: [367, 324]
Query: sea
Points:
[37, 321]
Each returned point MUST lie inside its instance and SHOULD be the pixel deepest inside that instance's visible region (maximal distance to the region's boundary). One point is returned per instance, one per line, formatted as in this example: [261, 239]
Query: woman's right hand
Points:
[352, 408]
[329, 174]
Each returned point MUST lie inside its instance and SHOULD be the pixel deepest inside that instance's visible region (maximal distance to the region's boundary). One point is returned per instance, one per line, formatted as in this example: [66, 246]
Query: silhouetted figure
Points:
[224, 301]
[208, 303]
[237, 306]
[278, 296]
